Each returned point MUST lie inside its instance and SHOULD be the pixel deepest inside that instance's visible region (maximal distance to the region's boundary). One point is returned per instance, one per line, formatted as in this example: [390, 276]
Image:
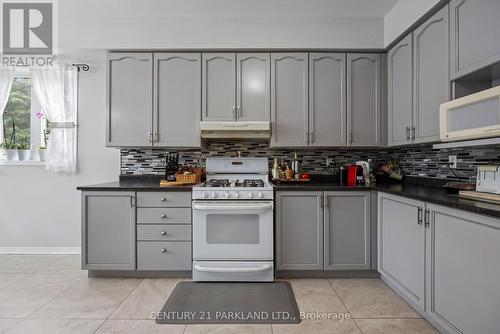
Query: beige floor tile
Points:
[5, 324]
[25, 264]
[228, 329]
[371, 298]
[27, 294]
[316, 295]
[7, 279]
[149, 296]
[138, 327]
[55, 326]
[318, 327]
[64, 264]
[395, 326]
[94, 298]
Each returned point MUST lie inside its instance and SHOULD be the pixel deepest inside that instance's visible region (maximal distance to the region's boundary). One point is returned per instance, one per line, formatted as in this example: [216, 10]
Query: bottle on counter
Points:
[371, 177]
[296, 165]
[288, 172]
[275, 171]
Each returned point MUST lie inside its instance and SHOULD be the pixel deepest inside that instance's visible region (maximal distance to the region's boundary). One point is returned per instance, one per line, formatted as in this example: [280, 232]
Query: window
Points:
[23, 123]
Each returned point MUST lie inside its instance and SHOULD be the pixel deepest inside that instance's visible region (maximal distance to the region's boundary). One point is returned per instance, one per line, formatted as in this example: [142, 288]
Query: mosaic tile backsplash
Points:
[415, 161]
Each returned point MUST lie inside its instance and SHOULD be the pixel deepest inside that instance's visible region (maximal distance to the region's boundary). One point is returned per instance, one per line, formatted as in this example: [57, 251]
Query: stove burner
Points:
[253, 183]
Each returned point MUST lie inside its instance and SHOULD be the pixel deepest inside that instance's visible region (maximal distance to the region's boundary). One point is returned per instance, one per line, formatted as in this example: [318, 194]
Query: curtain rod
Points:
[82, 67]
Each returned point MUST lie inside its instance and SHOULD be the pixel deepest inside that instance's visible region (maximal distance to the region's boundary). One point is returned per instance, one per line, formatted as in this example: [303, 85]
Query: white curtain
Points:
[55, 88]
[6, 79]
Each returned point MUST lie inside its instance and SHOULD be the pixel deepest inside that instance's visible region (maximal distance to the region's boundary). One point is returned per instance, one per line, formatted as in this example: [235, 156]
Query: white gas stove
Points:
[233, 222]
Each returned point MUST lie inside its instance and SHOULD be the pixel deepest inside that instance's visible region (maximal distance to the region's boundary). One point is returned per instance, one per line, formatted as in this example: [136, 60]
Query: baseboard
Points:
[40, 250]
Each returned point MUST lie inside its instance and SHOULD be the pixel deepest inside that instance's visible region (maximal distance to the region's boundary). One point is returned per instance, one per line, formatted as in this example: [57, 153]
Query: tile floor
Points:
[50, 294]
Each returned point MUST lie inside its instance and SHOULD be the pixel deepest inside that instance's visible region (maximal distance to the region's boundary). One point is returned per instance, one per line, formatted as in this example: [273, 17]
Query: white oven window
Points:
[232, 228]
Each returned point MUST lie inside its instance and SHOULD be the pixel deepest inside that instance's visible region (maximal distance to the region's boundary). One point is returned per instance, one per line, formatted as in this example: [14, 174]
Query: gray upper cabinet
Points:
[431, 76]
[289, 99]
[177, 107]
[363, 99]
[347, 230]
[474, 33]
[218, 87]
[130, 99]
[401, 245]
[108, 231]
[299, 230]
[400, 92]
[327, 99]
[253, 87]
[463, 270]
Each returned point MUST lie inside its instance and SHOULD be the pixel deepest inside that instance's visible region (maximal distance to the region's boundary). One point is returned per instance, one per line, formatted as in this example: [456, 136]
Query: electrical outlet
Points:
[452, 159]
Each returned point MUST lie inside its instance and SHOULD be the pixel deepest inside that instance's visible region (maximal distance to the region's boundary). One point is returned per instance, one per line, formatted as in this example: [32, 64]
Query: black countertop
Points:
[139, 185]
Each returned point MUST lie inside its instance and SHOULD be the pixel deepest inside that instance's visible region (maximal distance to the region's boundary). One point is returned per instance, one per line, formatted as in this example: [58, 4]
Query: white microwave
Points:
[473, 116]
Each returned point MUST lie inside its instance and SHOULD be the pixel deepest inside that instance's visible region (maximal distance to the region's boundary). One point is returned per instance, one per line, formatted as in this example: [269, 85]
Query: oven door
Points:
[232, 230]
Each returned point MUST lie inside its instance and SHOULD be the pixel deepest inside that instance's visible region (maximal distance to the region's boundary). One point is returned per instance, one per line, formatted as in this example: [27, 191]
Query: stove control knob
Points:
[214, 195]
[250, 195]
[225, 195]
[204, 195]
[260, 195]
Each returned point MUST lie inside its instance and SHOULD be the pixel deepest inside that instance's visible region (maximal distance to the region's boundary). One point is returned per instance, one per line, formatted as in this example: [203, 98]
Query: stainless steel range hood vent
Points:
[236, 130]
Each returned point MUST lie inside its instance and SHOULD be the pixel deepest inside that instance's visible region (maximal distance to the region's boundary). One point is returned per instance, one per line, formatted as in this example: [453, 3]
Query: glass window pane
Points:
[18, 113]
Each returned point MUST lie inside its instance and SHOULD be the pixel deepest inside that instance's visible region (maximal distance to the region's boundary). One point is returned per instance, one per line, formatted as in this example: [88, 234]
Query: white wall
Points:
[403, 15]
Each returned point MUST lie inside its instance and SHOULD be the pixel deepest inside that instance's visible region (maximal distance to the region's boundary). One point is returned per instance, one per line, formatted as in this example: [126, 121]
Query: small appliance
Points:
[488, 179]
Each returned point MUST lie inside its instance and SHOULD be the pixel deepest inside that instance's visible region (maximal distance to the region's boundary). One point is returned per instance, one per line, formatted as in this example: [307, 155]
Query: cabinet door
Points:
[130, 99]
[474, 35]
[218, 90]
[299, 230]
[431, 65]
[108, 231]
[347, 230]
[327, 99]
[363, 99]
[177, 107]
[463, 270]
[400, 92]
[253, 86]
[289, 99]
[401, 245]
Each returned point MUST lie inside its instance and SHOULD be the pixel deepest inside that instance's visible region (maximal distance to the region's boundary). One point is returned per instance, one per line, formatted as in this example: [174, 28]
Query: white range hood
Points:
[236, 130]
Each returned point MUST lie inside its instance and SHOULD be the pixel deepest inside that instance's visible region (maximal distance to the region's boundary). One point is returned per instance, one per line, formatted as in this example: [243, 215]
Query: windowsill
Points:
[4, 162]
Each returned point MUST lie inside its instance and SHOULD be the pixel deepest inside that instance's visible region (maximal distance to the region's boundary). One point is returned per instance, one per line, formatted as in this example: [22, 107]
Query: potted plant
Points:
[9, 144]
[10, 150]
[23, 152]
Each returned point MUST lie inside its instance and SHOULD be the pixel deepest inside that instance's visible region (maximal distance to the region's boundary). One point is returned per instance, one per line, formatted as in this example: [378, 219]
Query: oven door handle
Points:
[238, 207]
[233, 270]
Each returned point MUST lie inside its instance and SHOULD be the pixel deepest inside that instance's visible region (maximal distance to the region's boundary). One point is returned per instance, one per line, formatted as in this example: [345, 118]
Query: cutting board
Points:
[164, 183]
[479, 196]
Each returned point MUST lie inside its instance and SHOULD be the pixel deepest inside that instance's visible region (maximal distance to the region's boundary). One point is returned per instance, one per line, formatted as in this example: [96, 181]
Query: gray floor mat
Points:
[230, 303]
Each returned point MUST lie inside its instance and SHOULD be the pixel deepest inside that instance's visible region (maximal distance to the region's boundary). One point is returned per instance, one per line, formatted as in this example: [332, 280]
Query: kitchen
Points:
[380, 246]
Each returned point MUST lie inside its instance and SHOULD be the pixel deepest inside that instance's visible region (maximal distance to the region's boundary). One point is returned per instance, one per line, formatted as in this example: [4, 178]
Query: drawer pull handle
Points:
[163, 199]
[163, 215]
[163, 233]
[163, 250]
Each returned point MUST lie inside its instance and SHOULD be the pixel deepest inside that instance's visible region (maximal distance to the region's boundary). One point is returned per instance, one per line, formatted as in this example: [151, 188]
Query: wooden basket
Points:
[190, 178]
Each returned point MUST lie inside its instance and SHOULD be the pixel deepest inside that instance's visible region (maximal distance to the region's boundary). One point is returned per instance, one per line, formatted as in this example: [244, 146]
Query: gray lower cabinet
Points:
[327, 99]
[177, 102]
[129, 99]
[431, 75]
[289, 99]
[401, 245]
[474, 30]
[463, 271]
[218, 87]
[363, 99]
[347, 242]
[299, 230]
[108, 230]
[400, 92]
[163, 255]
[253, 86]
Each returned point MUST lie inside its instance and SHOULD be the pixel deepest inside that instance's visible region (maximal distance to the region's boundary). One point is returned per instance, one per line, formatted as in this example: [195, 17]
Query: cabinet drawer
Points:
[163, 215]
[164, 199]
[161, 233]
[164, 255]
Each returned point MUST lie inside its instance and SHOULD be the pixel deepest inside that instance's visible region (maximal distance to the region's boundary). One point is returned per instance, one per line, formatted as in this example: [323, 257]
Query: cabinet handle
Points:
[163, 233]
[234, 112]
[413, 133]
[150, 137]
[163, 199]
[350, 137]
[408, 133]
[132, 202]
[427, 218]
[155, 137]
[163, 215]
[419, 216]
[163, 250]
[240, 113]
